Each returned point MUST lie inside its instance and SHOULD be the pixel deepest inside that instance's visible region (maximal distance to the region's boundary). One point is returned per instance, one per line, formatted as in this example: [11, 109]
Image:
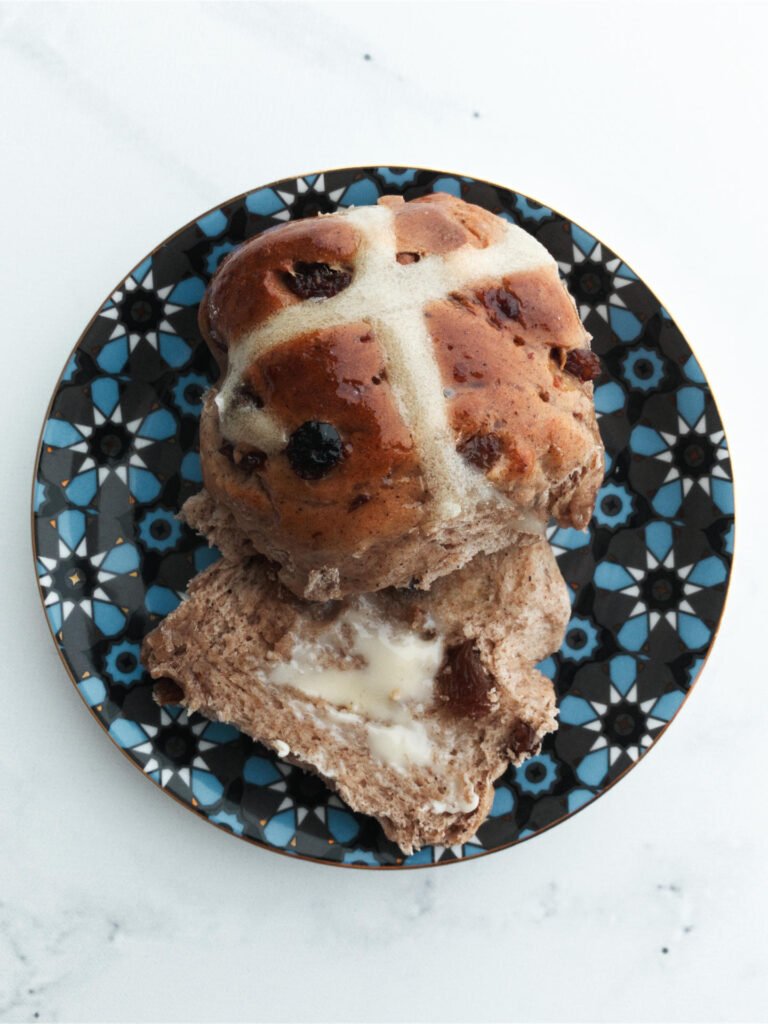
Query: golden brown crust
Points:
[376, 490]
[439, 223]
[517, 414]
[338, 376]
[252, 283]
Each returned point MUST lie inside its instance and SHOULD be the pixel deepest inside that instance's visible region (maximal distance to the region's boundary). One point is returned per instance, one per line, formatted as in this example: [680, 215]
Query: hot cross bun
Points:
[402, 386]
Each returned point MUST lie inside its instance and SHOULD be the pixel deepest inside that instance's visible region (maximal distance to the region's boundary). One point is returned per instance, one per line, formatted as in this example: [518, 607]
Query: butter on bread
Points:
[291, 673]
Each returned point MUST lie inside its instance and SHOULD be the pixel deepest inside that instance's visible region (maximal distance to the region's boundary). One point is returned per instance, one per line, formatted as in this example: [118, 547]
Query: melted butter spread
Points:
[387, 678]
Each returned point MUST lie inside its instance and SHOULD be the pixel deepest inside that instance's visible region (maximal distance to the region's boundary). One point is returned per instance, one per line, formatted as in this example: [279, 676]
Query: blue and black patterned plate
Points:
[119, 456]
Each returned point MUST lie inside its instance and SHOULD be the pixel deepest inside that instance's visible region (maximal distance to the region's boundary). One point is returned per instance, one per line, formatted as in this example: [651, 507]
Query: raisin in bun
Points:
[402, 386]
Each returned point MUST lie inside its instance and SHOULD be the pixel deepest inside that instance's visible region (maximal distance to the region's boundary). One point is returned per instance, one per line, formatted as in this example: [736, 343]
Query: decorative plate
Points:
[118, 457]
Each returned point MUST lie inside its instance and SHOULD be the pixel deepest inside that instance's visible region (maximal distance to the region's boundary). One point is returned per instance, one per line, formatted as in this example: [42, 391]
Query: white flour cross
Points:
[391, 298]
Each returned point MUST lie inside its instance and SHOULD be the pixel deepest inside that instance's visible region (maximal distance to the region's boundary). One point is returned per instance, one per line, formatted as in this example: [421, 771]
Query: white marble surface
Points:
[644, 123]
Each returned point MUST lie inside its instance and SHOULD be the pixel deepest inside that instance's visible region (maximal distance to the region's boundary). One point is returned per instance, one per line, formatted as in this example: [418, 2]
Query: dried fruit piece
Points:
[465, 684]
[522, 739]
[314, 449]
[481, 450]
[167, 691]
[318, 280]
[583, 363]
[502, 305]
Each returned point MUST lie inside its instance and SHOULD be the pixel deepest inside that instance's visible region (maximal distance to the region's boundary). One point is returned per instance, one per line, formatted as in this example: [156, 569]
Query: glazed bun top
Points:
[402, 386]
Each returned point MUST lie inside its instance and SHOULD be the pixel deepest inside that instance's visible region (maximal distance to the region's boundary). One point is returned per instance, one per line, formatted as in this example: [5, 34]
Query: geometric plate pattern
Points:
[118, 457]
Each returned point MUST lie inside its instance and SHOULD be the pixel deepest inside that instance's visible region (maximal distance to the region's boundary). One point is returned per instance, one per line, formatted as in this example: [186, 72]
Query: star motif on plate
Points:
[596, 284]
[696, 456]
[103, 446]
[75, 581]
[172, 751]
[622, 726]
[660, 591]
[142, 313]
